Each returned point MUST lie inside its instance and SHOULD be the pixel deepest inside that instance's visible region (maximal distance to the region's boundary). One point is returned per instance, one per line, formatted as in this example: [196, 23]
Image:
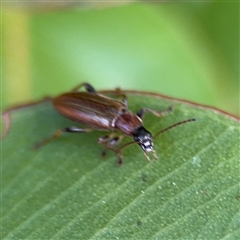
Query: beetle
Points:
[100, 112]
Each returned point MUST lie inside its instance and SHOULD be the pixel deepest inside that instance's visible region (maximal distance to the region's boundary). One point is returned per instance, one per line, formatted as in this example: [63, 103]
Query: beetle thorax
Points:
[128, 122]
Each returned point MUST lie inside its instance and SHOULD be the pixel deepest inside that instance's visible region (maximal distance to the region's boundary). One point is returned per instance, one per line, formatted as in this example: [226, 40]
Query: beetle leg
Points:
[87, 86]
[119, 93]
[59, 132]
[120, 160]
[142, 111]
[76, 130]
[105, 138]
[109, 142]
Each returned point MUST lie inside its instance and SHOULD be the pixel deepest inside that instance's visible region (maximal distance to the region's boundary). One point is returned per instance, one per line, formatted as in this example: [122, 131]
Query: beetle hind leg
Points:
[87, 86]
[59, 132]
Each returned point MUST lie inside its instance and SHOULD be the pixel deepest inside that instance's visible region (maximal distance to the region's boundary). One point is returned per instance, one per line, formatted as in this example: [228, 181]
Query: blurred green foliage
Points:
[185, 50]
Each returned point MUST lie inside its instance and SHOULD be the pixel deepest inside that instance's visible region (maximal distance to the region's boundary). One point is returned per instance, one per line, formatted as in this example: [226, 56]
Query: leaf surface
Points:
[66, 190]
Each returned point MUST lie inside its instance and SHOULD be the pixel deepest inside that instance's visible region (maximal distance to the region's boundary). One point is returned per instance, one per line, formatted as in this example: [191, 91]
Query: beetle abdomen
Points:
[94, 110]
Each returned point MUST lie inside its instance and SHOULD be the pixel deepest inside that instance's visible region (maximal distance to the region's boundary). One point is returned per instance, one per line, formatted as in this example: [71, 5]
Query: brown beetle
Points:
[103, 113]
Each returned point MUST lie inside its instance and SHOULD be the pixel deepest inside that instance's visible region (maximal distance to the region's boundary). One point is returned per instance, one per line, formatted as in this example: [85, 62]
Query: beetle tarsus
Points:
[59, 132]
[120, 161]
[103, 153]
[47, 140]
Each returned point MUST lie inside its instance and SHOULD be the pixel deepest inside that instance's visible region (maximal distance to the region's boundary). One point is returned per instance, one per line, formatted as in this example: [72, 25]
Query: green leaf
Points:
[65, 190]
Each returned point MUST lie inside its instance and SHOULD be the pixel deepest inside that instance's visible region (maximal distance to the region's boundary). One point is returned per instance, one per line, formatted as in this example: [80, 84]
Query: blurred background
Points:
[187, 50]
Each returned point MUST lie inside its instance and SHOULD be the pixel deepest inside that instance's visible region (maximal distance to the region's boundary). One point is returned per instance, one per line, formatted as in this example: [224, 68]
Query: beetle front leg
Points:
[59, 132]
[109, 141]
[142, 111]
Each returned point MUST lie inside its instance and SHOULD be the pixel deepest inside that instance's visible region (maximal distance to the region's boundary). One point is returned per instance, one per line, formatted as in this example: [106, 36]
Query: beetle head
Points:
[144, 139]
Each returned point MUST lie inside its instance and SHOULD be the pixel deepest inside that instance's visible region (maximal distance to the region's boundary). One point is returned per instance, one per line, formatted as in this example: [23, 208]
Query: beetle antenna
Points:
[124, 145]
[174, 125]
